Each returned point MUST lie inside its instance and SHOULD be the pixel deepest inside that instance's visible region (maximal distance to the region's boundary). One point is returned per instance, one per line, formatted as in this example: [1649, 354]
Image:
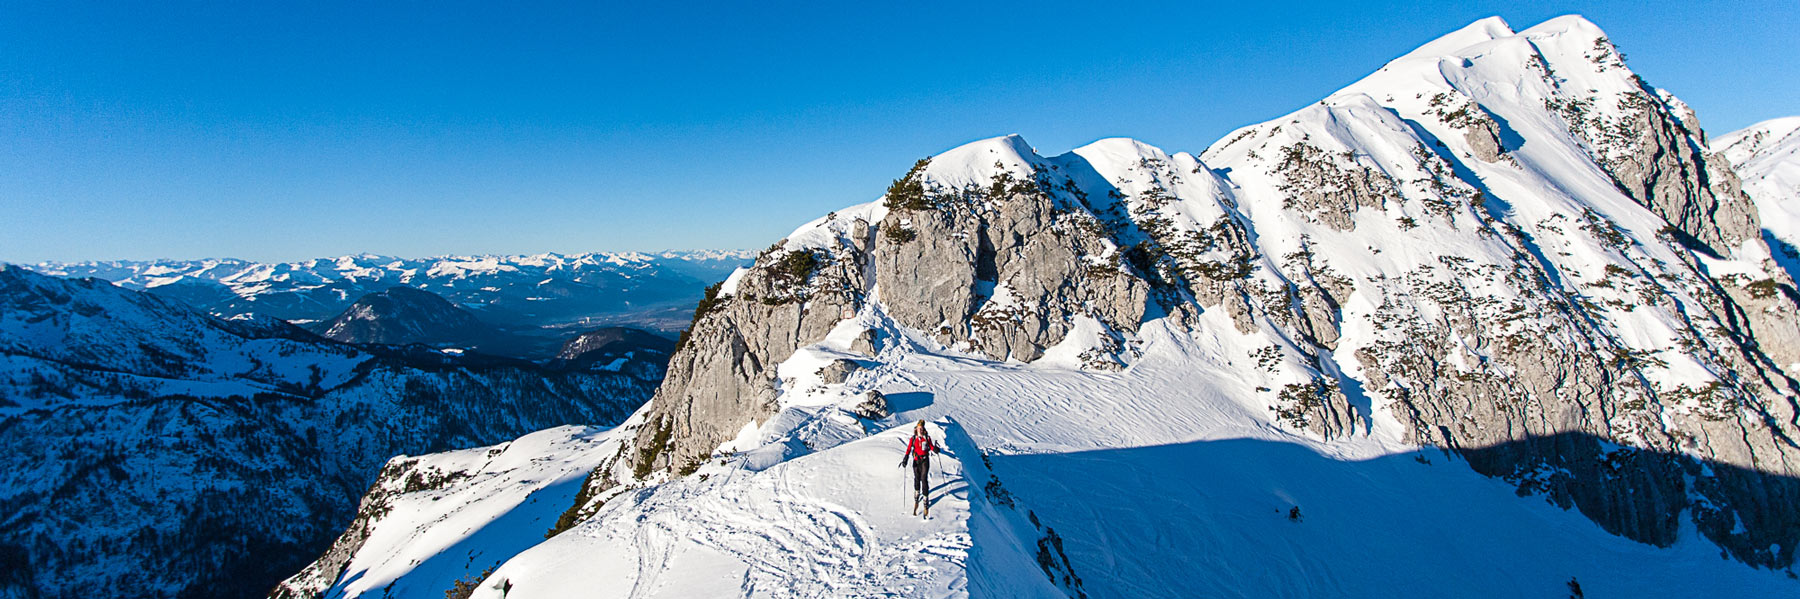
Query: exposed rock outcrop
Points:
[997, 262]
[723, 377]
[874, 406]
[321, 573]
[1001, 266]
[1656, 154]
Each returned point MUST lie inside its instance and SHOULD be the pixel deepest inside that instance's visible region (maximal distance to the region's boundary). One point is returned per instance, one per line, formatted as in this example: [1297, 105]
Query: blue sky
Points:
[282, 131]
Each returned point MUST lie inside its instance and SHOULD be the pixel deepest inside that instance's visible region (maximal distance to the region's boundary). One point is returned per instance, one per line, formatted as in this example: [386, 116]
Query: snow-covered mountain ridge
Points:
[527, 290]
[1767, 156]
[156, 451]
[1329, 352]
[403, 315]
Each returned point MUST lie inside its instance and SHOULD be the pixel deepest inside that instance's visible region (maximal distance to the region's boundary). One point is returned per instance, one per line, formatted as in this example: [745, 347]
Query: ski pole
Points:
[903, 480]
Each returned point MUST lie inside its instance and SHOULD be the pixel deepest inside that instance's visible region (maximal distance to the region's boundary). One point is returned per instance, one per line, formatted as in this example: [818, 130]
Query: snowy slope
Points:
[476, 506]
[1167, 483]
[829, 524]
[1767, 156]
[1155, 494]
[1491, 319]
[532, 290]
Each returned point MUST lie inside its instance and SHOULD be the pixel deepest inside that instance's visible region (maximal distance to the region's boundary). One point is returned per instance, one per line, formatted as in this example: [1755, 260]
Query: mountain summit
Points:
[402, 315]
[1492, 320]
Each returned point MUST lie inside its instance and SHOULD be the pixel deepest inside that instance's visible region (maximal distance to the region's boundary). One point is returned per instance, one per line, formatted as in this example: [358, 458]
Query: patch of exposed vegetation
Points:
[709, 301]
[430, 479]
[463, 588]
[1764, 289]
[1298, 401]
[1317, 183]
[659, 442]
[1459, 111]
[576, 512]
[796, 266]
[908, 192]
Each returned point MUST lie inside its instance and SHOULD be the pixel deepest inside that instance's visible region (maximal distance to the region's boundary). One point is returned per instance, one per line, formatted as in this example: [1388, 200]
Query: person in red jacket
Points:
[918, 451]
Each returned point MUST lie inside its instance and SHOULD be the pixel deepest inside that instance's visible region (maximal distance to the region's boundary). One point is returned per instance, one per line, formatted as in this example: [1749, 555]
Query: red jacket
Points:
[919, 447]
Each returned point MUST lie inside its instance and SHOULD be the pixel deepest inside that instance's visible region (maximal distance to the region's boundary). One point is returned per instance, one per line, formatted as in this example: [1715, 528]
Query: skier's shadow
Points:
[944, 489]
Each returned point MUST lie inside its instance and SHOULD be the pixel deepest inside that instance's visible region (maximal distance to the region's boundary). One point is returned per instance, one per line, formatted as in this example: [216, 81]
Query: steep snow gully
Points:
[1491, 322]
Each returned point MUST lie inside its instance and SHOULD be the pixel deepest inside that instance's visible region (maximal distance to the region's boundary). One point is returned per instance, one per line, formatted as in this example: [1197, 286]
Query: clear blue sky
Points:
[287, 130]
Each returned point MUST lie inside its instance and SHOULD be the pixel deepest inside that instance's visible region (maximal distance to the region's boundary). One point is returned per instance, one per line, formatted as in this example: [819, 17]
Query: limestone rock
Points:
[1658, 161]
[1320, 185]
[874, 406]
[995, 266]
[1483, 137]
[838, 370]
[724, 376]
[865, 343]
[1001, 268]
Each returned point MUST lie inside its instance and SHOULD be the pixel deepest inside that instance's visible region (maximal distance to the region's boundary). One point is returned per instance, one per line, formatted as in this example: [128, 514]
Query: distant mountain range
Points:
[654, 291]
[156, 451]
[405, 316]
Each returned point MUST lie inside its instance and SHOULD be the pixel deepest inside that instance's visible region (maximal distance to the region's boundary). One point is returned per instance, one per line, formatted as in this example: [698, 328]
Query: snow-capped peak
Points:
[978, 162]
[1577, 26]
[1773, 140]
[1767, 158]
[1487, 29]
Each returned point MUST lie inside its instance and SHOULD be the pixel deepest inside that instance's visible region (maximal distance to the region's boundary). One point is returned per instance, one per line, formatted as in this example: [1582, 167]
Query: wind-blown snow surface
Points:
[1767, 157]
[830, 524]
[1463, 200]
[534, 290]
[1167, 483]
[473, 507]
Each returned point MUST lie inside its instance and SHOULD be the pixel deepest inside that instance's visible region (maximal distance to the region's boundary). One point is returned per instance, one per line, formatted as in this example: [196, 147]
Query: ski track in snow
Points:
[829, 524]
[808, 547]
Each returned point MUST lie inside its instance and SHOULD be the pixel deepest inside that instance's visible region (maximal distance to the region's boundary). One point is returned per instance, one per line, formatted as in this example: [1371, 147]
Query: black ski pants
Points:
[921, 477]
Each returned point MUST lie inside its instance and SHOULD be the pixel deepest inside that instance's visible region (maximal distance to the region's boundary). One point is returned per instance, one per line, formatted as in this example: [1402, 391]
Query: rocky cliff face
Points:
[999, 261]
[1503, 244]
